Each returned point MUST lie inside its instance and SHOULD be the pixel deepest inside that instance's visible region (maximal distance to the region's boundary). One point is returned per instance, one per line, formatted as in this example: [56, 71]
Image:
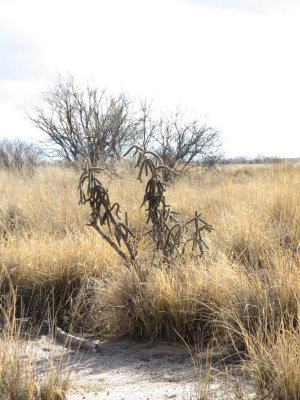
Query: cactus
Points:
[106, 214]
[169, 234]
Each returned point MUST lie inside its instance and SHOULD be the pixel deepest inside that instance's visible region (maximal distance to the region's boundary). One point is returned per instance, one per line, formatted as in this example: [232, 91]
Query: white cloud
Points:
[251, 5]
[258, 6]
[14, 56]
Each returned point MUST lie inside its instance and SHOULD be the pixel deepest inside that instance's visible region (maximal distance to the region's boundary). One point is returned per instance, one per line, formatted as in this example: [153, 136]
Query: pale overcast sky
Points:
[233, 63]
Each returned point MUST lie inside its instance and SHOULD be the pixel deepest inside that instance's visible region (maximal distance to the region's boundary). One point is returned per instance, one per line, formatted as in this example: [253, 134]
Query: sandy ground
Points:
[134, 371]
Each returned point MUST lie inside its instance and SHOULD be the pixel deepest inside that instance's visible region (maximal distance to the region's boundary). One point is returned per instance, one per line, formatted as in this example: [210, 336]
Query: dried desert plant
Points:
[105, 214]
[171, 236]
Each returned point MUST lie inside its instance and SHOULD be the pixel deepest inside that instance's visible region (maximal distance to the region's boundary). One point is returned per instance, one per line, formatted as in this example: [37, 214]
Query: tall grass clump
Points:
[275, 364]
[22, 376]
[19, 378]
[166, 306]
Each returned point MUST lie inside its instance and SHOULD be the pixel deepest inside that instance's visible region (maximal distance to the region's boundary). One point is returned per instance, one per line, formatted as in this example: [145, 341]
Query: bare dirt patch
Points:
[129, 370]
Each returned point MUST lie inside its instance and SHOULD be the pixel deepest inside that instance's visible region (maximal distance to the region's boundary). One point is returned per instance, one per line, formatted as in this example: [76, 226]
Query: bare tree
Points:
[84, 123]
[180, 142]
[88, 123]
[147, 125]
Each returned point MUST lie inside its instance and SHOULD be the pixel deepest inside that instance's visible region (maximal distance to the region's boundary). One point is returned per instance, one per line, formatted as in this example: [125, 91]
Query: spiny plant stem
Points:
[106, 215]
[169, 235]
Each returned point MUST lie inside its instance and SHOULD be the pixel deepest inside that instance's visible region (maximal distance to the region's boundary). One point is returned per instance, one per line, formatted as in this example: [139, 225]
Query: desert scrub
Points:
[50, 246]
[18, 156]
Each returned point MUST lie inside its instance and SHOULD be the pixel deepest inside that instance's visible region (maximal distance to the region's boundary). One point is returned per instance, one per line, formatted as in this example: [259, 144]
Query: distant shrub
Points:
[18, 155]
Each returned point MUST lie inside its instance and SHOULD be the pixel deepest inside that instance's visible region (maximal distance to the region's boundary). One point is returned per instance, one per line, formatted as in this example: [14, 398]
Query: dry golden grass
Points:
[23, 375]
[19, 379]
[244, 292]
